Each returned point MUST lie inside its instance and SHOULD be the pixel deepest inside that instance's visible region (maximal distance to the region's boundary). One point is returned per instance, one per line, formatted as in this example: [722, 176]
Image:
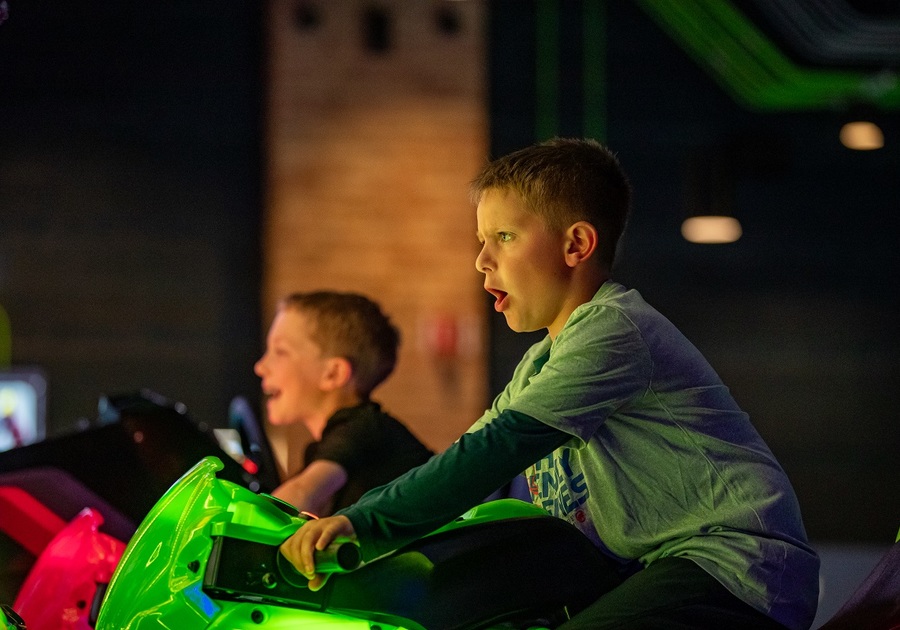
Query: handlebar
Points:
[340, 556]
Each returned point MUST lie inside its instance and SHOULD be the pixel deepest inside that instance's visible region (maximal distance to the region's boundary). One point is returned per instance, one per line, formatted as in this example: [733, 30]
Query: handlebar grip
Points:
[338, 557]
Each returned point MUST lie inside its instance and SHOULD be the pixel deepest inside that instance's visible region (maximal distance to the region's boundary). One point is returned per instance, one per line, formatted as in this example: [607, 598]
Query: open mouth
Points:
[500, 298]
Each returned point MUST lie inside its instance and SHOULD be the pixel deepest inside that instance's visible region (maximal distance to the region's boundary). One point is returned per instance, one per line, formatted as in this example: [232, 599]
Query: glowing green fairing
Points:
[159, 582]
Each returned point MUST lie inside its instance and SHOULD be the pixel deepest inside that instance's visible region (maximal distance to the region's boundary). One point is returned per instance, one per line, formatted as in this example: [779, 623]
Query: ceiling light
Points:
[862, 135]
[711, 229]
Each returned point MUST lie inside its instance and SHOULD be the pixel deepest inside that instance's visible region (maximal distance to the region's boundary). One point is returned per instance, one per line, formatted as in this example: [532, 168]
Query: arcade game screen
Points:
[23, 393]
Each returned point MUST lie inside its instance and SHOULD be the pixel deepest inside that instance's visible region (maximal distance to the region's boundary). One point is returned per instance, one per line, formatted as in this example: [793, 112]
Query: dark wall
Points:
[799, 316]
[130, 199]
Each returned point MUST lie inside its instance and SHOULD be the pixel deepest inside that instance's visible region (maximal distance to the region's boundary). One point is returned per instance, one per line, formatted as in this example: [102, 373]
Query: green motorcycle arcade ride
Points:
[206, 556]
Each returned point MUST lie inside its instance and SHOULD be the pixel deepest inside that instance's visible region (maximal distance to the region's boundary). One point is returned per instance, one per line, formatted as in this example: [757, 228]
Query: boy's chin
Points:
[518, 327]
[280, 420]
[512, 324]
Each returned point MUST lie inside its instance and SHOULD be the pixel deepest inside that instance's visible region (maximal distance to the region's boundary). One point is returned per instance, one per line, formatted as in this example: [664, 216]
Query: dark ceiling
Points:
[781, 56]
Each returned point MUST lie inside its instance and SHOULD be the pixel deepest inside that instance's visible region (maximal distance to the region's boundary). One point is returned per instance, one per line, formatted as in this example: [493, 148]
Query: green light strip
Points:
[546, 69]
[594, 69]
[750, 67]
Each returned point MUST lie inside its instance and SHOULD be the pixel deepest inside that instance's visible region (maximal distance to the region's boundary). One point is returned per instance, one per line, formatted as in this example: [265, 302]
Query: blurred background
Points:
[168, 170]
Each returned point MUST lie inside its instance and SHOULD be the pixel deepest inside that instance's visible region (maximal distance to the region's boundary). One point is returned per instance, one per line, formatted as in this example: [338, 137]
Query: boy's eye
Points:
[504, 237]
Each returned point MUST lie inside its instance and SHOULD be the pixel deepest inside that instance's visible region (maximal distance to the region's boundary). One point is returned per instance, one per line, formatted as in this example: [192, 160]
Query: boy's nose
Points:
[482, 261]
[258, 367]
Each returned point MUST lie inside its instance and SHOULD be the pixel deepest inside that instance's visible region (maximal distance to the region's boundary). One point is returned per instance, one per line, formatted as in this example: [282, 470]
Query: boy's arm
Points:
[431, 495]
[314, 488]
[450, 483]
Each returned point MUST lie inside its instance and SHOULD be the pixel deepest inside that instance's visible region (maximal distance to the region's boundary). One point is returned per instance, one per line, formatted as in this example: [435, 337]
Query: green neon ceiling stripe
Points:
[750, 67]
[594, 73]
[547, 69]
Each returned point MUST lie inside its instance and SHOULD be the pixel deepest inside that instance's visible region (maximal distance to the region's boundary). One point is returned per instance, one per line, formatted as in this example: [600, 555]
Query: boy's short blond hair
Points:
[353, 327]
[563, 181]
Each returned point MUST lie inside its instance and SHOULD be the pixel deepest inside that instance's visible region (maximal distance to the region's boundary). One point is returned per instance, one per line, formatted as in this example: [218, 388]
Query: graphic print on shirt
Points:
[557, 484]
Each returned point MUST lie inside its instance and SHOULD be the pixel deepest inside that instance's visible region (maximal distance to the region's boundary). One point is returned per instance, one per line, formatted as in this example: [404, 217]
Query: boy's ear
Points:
[581, 242]
[338, 372]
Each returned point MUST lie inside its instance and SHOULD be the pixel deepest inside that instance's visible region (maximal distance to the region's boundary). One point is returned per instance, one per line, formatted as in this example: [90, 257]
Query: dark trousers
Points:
[671, 594]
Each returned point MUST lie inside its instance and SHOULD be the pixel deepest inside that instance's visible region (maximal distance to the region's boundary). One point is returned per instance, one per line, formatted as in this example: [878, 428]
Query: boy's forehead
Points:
[500, 205]
[291, 323]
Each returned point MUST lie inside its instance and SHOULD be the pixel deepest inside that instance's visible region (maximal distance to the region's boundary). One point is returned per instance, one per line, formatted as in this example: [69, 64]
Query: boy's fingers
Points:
[317, 582]
[300, 548]
[330, 529]
[308, 543]
[290, 550]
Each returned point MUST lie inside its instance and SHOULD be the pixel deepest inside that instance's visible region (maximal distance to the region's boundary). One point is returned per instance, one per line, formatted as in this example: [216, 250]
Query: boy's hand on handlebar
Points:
[313, 536]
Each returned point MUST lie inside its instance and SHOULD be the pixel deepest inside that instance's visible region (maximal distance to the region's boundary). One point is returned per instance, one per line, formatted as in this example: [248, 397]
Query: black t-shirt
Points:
[373, 447]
